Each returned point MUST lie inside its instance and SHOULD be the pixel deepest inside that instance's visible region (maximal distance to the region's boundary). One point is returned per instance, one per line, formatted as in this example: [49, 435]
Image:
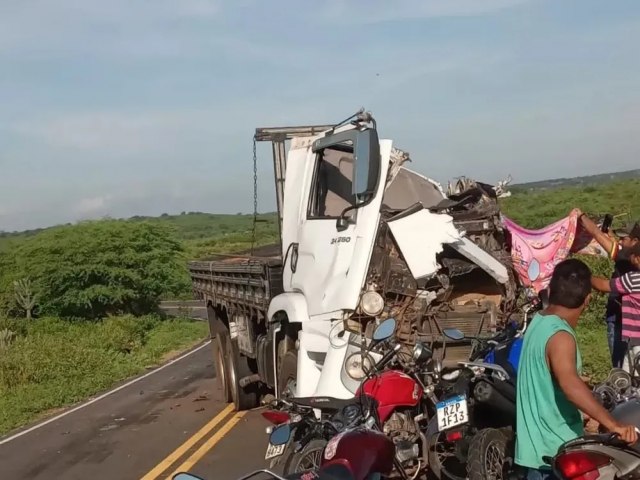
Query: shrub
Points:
[95, 269]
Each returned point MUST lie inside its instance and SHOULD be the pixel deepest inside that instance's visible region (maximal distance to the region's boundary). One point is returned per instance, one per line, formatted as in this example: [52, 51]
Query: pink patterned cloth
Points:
[535, 253]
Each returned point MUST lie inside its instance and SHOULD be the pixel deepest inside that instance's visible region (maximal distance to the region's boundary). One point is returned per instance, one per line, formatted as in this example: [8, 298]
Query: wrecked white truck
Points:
[363, 238]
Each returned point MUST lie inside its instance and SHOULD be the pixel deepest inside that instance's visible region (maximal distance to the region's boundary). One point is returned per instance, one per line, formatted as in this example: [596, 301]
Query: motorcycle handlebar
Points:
[387, 357]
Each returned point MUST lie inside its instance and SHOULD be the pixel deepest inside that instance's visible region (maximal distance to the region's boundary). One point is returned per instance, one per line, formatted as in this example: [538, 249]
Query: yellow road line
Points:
[182, 449]
[208, 445]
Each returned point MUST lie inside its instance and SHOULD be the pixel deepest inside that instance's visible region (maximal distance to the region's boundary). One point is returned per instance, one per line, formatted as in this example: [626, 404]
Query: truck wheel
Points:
[244, 398]
[222, 369]
[487, 455]
[288, 374]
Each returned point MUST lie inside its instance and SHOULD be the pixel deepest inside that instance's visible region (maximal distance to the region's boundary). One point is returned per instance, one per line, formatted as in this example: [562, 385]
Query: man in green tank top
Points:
[550, 393]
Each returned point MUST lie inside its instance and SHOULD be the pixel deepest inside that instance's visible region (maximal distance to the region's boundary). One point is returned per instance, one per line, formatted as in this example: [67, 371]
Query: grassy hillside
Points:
[201, 234]
[579, 181]
[537, 208]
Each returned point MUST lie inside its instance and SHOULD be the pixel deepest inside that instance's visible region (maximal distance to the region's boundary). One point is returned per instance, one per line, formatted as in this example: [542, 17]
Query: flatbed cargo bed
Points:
[240, 282]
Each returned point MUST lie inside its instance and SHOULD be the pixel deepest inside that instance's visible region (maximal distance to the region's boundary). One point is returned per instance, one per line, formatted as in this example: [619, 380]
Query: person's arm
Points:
[561, 354]
[629, 283]
[608, 243]
[601, 284]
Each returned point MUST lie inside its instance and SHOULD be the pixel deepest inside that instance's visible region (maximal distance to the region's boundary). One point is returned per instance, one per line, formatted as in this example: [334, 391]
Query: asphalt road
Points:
[171, 420]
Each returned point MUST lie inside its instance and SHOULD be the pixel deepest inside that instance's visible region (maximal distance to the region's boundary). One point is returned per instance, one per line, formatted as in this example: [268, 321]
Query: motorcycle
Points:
[604, 455]
[478, 444]
[396, 398]
[356, 454]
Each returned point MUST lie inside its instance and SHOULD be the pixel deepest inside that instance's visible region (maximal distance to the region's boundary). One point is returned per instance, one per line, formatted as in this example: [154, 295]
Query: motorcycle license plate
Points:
[452, 412]
[274, 451]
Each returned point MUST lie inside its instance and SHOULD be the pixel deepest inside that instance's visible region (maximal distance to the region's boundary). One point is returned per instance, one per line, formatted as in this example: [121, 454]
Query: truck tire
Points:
[288, 374]
[221, 364]
[243, 398]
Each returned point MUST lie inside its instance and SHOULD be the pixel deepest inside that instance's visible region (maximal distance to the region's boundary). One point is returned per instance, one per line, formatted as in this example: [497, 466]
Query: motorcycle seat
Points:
[324, 403]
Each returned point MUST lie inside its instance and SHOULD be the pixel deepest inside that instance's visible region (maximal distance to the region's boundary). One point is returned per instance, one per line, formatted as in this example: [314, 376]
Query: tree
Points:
[94, 269]
[25, 297]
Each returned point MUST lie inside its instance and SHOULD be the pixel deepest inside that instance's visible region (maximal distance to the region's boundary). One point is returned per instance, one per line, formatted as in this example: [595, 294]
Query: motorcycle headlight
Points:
[357, 366]
[371, 303]
[421, 353]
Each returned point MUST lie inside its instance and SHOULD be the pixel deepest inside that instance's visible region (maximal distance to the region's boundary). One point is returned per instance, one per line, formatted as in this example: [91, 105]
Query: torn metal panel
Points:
[420, 236]
[481, 258]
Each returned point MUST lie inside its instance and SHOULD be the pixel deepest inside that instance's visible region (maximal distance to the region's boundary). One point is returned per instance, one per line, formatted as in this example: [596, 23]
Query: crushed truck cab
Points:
[362, 239]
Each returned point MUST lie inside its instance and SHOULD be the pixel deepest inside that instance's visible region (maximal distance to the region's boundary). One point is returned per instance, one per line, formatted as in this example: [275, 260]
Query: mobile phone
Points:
[606, 223]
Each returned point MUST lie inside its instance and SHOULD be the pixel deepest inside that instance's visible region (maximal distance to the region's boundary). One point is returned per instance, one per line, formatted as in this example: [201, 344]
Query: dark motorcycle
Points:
[473, 435]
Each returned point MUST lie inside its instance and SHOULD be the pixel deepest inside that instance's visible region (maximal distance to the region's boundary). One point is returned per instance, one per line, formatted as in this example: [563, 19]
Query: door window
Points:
[332, 182]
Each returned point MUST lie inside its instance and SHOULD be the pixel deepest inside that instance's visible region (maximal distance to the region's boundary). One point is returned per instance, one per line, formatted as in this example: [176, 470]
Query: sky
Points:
[141, 107]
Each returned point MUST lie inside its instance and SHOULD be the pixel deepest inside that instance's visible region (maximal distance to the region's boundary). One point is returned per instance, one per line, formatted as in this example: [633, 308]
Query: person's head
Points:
[629, 235]
[634, 255]
[570, 288]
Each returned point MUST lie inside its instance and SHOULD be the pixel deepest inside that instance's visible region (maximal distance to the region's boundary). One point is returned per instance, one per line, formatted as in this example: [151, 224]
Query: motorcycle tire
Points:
[488, 455]
[306, 459]
[439, 471]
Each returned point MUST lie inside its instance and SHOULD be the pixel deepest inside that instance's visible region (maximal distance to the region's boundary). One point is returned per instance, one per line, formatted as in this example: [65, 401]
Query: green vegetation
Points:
[539, 208]
[53, 362]
[535, 209]
[93, 289]
[78, 311]
[94, 269]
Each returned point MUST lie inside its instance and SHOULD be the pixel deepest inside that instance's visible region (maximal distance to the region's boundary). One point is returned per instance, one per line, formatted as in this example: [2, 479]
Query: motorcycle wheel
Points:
[306, 459]
[444, 461]
[488, 455]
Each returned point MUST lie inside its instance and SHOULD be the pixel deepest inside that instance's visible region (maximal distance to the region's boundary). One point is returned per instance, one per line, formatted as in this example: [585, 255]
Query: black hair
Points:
[570, 284]
[633, 250]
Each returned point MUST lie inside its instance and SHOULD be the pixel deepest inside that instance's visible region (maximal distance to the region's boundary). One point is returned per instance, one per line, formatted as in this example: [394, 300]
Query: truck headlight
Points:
[357, 365]
[371, 303]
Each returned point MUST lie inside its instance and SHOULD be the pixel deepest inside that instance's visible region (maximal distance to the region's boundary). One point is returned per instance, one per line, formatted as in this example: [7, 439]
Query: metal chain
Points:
[255, 196]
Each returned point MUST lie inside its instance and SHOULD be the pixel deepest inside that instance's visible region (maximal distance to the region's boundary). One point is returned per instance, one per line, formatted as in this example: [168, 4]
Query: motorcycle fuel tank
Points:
[392, 389]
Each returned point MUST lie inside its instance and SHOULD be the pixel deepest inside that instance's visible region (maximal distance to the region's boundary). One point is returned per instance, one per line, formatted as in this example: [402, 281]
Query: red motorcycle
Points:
[390, 401]
[359, 454]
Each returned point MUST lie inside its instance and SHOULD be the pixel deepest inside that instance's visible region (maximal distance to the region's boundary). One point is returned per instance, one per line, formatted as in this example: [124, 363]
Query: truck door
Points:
[326, 257]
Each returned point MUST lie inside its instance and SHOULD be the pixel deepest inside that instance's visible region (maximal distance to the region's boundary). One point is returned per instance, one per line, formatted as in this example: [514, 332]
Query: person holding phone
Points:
[619, 251]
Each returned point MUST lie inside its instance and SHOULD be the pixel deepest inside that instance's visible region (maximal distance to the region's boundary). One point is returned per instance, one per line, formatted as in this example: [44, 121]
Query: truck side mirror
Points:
[366, 165]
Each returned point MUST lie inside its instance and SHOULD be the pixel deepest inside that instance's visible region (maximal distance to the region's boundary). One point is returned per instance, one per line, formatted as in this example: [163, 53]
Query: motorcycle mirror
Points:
[280, 435]
[437, 366]
[385, 330]
[453, 333]
[185, 476]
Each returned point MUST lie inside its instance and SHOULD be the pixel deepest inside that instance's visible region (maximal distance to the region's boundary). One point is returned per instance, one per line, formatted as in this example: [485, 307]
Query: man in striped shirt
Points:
[627, 286]
[618, 252]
